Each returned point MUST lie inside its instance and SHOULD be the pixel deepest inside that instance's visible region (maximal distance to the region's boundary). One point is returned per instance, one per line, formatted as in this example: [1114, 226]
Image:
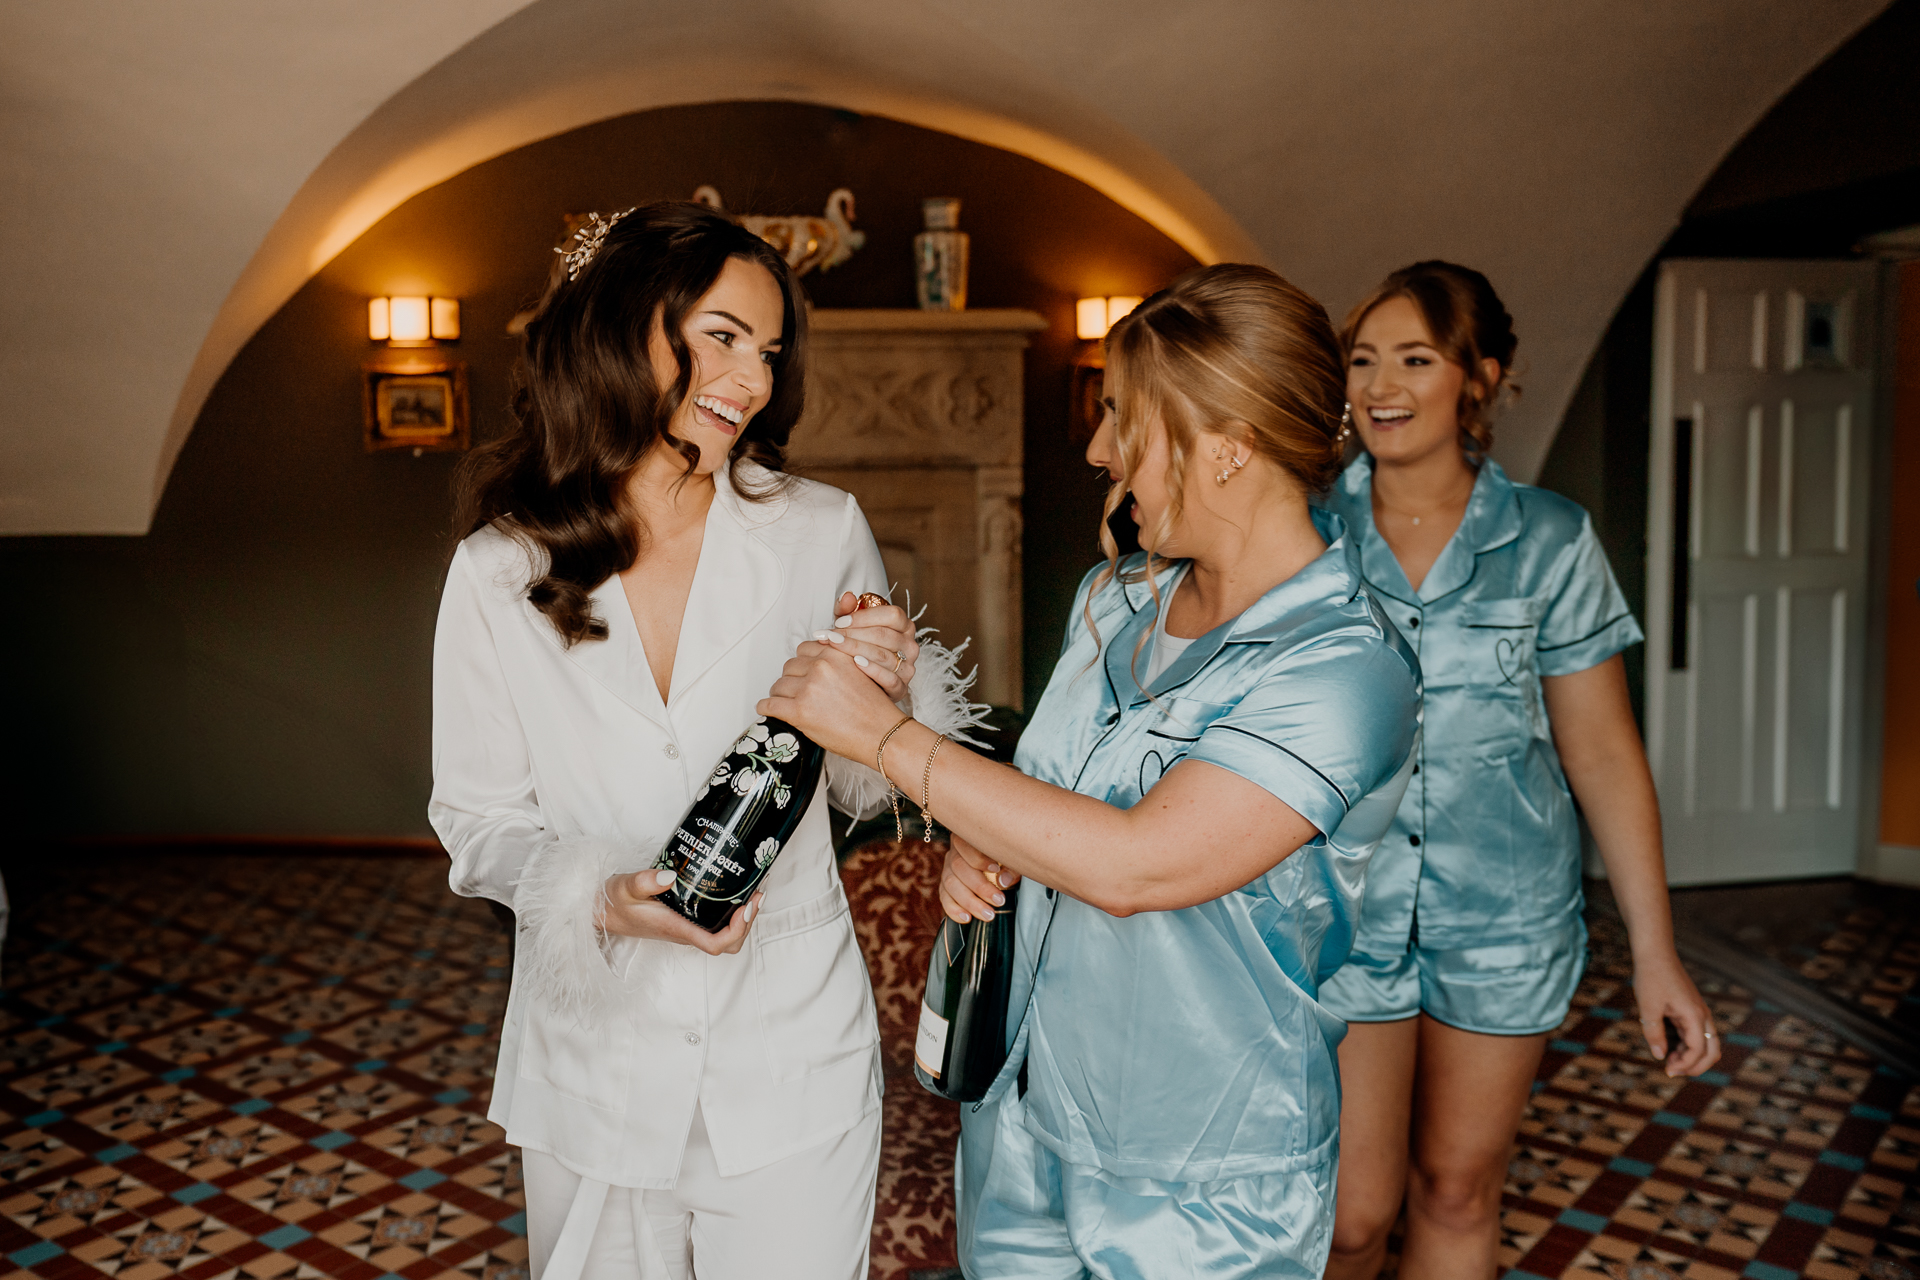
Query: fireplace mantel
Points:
[918, 414]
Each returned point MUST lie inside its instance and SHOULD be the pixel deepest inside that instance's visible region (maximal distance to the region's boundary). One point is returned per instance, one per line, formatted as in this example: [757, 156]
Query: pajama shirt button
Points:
[692, 1038]
[673, 752]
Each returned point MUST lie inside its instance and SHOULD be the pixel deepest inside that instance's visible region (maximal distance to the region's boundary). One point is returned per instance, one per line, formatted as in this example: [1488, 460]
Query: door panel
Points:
[1756, 565]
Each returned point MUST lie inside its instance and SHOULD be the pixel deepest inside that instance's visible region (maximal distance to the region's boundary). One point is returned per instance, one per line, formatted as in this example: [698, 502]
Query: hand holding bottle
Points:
[882, 644]
[972, 885]
[633, 910]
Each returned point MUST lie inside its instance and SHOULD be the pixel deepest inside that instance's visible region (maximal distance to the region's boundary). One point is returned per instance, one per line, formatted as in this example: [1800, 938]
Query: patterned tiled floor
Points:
[1796, 1156]
[216, 1068]
[262, 1068]
[1859, 942]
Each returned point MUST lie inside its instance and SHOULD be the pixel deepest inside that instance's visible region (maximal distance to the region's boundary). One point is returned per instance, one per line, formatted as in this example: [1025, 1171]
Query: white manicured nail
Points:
[831, 637]
[860, 661]
[843, 622]
[664, 877]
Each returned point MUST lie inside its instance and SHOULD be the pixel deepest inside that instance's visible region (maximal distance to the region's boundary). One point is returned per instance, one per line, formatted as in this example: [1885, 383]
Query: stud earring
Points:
[1233, 465]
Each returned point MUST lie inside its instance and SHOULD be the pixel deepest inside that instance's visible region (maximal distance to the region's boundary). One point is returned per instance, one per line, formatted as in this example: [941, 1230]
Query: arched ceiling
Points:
[174, 179]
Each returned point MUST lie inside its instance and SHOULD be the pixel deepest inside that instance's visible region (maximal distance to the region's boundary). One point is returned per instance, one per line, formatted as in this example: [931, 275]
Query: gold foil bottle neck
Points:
[869, 600]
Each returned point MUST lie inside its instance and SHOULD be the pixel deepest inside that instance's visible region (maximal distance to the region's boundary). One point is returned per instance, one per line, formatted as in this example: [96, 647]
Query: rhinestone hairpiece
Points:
[587, 241]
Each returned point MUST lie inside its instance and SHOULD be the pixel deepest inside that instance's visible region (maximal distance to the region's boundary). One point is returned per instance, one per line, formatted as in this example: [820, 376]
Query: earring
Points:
[1233, 465]
[1346, 424]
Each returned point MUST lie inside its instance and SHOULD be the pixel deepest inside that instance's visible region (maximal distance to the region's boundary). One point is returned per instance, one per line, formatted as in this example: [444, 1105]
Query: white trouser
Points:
[807, 1217]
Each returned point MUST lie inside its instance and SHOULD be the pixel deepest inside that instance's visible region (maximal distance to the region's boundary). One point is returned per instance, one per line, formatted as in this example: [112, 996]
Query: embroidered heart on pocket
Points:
[1508, 652]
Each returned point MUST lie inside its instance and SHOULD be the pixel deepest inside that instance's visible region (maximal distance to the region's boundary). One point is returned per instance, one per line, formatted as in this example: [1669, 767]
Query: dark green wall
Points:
[259, 661]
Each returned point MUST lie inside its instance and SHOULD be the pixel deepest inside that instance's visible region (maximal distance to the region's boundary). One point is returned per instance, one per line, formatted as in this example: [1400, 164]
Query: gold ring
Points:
[899, 660]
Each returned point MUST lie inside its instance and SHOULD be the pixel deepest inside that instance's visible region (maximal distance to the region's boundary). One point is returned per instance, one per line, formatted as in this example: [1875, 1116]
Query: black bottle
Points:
[747, 810]
[962, 1042]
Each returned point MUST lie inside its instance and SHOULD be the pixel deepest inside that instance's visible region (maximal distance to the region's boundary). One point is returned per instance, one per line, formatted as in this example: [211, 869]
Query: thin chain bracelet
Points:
[926, 793]
[893, 792]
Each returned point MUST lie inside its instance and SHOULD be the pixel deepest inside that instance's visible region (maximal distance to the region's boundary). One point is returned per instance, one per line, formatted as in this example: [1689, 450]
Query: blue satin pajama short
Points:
[1039, 1217]
[1515, 988]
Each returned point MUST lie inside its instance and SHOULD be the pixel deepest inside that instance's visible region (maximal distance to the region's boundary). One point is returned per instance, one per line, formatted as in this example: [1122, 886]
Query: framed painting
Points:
[418, 403]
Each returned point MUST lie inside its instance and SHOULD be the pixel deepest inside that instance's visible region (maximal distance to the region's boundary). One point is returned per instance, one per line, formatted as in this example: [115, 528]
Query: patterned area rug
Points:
[226, 1067]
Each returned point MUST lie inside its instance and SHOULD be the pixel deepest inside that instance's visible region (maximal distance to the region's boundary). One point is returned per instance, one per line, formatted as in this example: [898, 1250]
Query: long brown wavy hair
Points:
[587, 406]
[1229, 348]
[1469, 324]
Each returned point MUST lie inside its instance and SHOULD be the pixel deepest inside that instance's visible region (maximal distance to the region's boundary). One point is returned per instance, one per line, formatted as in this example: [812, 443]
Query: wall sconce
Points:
[413, 322]
[1092, 317]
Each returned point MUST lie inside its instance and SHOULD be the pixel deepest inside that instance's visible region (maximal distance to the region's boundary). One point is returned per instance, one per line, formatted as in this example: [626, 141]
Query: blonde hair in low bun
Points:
[1229, 348]
[1469, 324]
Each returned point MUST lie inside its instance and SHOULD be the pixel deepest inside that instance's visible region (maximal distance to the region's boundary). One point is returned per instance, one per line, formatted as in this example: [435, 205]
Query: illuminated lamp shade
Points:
[1093, 317]
[413, 322]
[410, 320]
[1090, 319]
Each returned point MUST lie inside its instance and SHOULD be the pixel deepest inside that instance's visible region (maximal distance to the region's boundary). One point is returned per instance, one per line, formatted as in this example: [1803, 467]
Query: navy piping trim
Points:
[1608, 624]
[1345, 804]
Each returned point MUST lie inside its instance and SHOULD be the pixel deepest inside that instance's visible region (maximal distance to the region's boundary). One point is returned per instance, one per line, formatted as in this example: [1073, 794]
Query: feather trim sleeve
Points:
[937, 698]
[568, 963]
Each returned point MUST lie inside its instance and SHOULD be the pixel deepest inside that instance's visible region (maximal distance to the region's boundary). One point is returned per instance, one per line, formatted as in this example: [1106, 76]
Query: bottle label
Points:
[930, 1046]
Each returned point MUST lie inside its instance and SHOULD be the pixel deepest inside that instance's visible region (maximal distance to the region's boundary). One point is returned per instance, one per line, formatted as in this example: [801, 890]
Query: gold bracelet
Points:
[926, 793]
[893, 793]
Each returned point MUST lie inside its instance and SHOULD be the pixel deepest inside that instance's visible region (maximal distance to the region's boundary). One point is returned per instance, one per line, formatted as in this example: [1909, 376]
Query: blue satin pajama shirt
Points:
[1478, 881]
[1182, 1089]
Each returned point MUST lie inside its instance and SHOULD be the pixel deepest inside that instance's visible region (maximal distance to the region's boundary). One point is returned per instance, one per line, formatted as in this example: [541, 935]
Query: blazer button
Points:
[1415, 840]
[692, 1038]
[673, 752]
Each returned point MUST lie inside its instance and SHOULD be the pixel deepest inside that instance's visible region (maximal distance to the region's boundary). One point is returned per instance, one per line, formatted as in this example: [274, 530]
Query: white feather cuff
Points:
[937, 697]
[567, 962]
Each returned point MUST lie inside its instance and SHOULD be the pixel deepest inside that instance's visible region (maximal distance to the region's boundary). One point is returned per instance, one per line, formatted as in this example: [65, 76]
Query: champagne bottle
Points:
[963, 1020]
[745, 812]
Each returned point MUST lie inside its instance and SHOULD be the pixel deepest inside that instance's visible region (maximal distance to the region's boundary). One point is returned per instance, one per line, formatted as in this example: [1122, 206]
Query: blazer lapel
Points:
[735, 585]
[617, 664]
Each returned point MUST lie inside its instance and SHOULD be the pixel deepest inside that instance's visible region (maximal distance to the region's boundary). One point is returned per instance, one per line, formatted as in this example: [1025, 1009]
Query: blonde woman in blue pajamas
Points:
[1222, 744]
[1470, 942]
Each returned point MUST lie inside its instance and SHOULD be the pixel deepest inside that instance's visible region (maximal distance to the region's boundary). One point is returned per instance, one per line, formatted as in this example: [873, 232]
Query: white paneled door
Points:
[1756, 564]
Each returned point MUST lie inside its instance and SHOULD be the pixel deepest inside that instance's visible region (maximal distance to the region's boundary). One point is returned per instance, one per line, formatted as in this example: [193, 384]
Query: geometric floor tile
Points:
[277, 1068]
[207, 1073]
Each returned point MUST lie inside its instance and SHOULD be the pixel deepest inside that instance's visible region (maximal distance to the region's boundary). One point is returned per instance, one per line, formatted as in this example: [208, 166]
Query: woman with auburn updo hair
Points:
[635, 570]
[1471, 943]
[1224, 740]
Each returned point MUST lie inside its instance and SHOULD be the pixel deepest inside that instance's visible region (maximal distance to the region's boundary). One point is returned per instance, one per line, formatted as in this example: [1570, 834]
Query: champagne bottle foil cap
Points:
[869, 600]
[942, 213]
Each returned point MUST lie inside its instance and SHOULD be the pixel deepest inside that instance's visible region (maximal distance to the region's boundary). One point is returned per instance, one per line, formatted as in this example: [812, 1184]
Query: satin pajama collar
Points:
[1493, 519]
[1330, 579]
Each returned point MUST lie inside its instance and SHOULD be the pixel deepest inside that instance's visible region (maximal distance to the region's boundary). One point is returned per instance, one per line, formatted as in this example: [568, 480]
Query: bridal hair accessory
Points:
[1346, 423]
[1233, 465]
[587, 241]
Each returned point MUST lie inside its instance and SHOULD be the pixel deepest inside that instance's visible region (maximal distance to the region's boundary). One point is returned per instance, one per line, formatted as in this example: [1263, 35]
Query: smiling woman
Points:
[636, 569]
[1470, 940]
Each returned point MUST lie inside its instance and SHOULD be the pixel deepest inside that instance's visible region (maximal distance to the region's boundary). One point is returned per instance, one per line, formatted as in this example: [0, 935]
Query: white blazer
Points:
[556, 767]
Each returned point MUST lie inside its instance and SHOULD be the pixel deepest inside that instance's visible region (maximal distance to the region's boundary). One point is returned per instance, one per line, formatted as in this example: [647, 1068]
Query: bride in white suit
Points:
[635, 574]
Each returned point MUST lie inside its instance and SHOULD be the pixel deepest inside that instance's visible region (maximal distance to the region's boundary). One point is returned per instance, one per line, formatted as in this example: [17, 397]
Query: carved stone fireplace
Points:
[918, 414]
